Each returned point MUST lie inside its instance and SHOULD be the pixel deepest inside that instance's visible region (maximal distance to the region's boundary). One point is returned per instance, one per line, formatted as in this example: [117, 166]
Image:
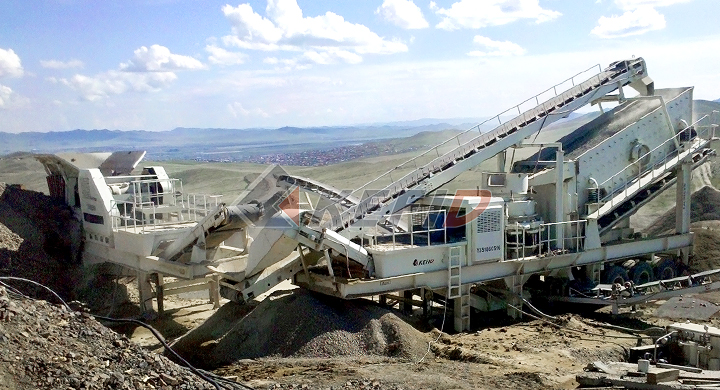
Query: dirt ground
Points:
[501, 354]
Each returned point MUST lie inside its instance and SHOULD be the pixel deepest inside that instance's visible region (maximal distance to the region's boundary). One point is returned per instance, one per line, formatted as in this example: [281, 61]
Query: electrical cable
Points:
[566, 327]
[442, 327]
[212, 379]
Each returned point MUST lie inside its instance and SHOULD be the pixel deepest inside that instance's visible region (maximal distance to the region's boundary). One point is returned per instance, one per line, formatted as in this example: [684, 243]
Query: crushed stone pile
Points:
[705, 207]
[44, 346]
[39, 239]
[301, 324]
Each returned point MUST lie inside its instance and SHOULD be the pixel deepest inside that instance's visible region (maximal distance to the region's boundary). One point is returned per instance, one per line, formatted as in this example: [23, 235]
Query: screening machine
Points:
[554, 206]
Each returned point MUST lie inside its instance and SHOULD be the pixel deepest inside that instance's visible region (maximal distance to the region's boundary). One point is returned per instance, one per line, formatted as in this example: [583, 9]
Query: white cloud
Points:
[478, 14]
[496, 48]
[10, 64]
[5, 93]
[331, 56]
[629, 5]
[402, 13]
[638, 21]
[285, 28]
[222, 57]
[159, 59]
[236, 109]
[115, 82]
[55, 64]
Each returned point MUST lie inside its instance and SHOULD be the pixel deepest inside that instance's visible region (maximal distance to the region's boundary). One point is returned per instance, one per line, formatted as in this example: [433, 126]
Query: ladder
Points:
[426, 178]
[457, 291]
[455, 272]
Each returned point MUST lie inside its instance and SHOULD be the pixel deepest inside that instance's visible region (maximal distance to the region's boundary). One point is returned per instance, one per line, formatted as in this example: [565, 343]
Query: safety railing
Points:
[441, 162]
[432, 230]
[544, 239]
[143, 202]
[198, 206]
[622, 181]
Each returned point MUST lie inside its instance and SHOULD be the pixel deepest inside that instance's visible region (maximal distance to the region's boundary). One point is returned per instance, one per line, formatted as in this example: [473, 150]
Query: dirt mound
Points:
[43, 346]
[301, 324]
[706, 249]
[39, 239]
[705, 207]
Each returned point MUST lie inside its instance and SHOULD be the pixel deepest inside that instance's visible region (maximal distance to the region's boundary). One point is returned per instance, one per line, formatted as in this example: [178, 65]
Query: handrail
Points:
[571, 241]
[439, 214]
[648, 167]
[457, 137]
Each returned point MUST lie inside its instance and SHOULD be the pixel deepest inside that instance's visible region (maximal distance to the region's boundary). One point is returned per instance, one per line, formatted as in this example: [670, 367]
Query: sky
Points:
[160, 64]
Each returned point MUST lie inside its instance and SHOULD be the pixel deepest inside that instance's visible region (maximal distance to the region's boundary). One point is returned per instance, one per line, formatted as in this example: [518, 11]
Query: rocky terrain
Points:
[48, 346]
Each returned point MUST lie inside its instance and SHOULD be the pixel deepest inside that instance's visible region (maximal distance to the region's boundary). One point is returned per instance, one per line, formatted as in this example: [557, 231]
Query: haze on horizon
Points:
[161, 64]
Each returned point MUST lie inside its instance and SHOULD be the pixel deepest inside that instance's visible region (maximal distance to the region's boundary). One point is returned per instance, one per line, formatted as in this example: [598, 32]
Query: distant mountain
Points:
[195, 142]
[706, 107]
[453, 122]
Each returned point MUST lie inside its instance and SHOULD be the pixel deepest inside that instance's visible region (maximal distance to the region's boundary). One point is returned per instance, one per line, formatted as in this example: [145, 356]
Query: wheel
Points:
[615, 274]
[642, 273]
[665, 269]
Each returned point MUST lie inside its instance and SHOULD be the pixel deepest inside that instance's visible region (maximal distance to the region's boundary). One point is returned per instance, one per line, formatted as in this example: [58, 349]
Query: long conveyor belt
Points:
[428, 177]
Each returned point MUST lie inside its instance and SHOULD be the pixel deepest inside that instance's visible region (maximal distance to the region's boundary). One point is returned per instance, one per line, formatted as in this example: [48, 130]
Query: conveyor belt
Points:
[427, 178]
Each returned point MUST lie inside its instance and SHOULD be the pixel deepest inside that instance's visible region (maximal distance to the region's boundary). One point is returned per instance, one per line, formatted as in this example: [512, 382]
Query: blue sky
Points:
[161, 64]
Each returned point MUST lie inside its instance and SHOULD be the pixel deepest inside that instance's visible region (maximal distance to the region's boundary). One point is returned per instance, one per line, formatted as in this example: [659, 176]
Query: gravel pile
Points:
[705, 207]
[43, 346]
[301, 324]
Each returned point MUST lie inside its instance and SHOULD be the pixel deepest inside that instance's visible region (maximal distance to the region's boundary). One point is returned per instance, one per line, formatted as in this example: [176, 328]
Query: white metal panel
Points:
[488, 239]
[411, 260]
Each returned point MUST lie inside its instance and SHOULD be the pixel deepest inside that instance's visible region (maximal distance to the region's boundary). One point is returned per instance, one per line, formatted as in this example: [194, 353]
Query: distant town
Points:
[315, 157]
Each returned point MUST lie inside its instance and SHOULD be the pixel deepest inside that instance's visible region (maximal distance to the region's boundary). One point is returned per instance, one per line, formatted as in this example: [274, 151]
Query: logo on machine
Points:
[417, 262]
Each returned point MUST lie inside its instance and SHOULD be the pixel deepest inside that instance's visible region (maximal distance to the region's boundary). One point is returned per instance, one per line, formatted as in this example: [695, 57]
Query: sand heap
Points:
[301, 324]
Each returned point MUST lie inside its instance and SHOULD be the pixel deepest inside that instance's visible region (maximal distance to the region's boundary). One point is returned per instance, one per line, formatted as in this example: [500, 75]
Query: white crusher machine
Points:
[553, 206]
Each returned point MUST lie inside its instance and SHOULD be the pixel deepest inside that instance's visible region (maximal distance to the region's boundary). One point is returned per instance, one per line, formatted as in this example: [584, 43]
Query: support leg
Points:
[514, 301]
[215, 290]
[146, 294]
[407, 305]
[160, 293]
[682, 201]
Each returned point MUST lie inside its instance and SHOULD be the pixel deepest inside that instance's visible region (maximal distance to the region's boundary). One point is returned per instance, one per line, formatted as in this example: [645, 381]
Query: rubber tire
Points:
[665, 269]
[615, 274]
[642, 273]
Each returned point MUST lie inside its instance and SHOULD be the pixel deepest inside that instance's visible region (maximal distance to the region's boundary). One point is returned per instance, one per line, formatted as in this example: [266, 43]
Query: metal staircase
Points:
[425, 178]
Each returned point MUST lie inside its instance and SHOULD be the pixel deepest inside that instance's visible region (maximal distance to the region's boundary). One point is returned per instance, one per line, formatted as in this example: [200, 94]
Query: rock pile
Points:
[43, 346]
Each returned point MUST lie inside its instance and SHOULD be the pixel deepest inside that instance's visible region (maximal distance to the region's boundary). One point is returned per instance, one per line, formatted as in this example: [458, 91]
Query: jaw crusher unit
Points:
[556, 206]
